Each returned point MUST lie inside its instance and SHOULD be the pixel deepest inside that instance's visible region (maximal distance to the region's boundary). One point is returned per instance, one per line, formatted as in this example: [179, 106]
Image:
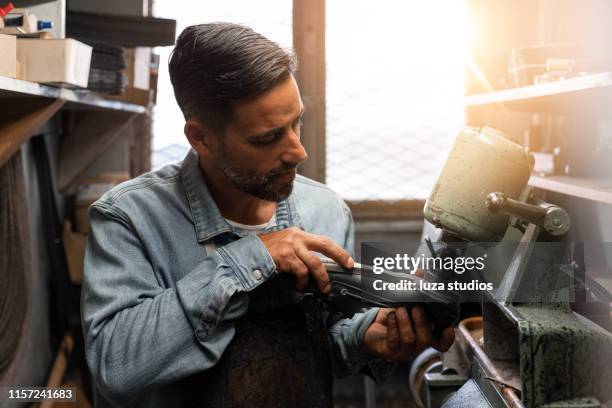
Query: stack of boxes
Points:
[30, 55]
[75, 231]
[141, 83]
[29, 52]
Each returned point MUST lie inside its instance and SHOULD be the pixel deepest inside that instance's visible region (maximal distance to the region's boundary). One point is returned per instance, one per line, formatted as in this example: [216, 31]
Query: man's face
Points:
[260, 148]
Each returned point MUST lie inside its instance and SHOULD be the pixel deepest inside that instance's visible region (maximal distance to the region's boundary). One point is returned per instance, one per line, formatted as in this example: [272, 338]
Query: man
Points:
[193, 273]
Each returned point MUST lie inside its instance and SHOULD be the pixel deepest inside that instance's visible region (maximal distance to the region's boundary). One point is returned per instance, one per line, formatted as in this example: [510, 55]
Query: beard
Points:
[263, 186]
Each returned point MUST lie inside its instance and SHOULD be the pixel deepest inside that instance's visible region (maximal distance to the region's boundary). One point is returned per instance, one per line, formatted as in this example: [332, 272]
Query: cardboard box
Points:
[88, 191]
[81, 217]
[54, 61]
[138, 68]
[134, 95]
[8, 56]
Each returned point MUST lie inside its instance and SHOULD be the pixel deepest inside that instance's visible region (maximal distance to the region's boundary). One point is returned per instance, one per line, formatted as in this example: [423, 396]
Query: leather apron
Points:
[278, 358]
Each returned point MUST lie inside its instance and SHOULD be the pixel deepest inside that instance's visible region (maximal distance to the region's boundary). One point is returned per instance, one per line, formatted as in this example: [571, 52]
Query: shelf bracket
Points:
[93, 133]
[21, 118]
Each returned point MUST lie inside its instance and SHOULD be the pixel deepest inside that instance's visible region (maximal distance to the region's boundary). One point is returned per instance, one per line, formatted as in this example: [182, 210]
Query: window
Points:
[395, 87]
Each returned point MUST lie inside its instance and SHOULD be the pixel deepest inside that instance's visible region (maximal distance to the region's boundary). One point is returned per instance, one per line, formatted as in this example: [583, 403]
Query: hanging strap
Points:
[64, 299]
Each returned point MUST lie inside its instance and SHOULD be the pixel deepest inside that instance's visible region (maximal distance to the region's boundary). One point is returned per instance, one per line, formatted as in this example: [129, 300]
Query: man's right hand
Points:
[291, 249]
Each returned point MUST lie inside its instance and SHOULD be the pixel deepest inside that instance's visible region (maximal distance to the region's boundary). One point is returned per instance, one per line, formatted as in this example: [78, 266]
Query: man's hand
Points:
[291, 251]
[396, 335]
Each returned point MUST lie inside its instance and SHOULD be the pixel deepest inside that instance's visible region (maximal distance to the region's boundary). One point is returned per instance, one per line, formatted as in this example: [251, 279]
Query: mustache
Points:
[283, 168]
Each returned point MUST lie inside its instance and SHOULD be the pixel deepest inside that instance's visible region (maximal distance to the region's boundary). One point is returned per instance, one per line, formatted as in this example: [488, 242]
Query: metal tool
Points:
[534, 348]
[552, 218]
[356, 285]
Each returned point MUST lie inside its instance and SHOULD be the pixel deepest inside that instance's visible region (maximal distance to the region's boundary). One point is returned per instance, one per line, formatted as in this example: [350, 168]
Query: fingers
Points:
[383, 313]
[443, 344]
[393, 337]
[401, 339]
[299, 271]
[405, 327]
[405, 334]
[330, 249]
[317, 270]
[422, 328]
[421, 325]
[290, 251]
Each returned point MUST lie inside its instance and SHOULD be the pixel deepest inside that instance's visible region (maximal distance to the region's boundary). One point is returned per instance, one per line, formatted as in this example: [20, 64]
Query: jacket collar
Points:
[205, 214]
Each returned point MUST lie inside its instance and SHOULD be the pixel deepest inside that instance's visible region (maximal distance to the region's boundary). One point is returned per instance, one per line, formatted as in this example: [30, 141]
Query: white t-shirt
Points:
[248, 229]
[253, 229]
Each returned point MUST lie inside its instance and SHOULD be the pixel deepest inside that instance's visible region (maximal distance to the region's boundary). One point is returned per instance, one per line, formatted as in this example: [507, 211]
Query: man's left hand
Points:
[396, 335]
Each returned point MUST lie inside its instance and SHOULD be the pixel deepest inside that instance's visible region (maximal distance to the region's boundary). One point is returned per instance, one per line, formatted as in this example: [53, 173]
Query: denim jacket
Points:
[157, 308]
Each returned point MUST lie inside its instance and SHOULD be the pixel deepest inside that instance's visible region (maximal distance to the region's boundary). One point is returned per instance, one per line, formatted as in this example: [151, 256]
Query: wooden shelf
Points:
[592, 92]
[28, 105]
[75, 98]
[599, 190]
